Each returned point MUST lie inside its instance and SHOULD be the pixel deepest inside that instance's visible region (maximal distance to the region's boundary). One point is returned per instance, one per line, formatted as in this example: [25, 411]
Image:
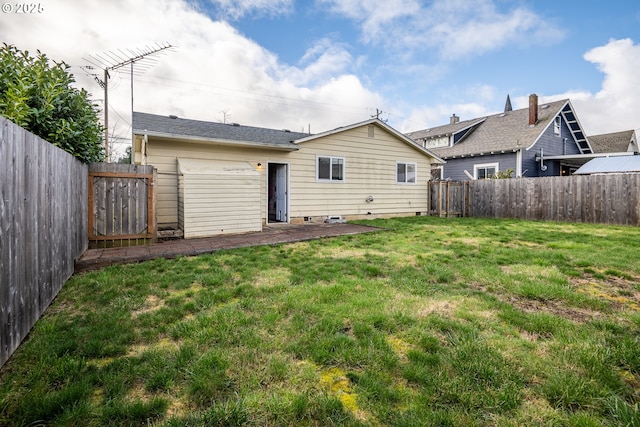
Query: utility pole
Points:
[120, 60]
[106, 115]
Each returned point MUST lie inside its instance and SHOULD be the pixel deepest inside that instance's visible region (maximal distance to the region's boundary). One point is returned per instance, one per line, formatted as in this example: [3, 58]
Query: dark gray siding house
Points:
[541, 140]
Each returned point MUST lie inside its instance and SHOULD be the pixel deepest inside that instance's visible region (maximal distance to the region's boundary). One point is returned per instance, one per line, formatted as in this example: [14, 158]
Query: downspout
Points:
[143, 149]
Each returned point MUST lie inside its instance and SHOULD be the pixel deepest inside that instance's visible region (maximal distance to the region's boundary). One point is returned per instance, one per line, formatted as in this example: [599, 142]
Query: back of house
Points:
[217, 178]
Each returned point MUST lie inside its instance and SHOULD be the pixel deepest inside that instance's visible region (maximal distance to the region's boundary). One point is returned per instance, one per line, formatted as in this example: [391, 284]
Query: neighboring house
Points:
[216, 178]
[541, 140]
[612, 153]
[616, 143]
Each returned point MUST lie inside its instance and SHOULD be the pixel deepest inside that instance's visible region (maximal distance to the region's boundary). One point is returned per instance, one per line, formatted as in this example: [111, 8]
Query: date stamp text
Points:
[23, 8]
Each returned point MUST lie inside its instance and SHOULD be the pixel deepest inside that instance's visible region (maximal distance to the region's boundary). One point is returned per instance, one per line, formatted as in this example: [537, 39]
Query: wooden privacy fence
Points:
[603, 199]
[121, 204]
[43, 228]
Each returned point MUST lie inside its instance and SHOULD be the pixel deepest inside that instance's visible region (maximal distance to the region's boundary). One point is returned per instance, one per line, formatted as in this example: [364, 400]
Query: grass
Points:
[432, 322]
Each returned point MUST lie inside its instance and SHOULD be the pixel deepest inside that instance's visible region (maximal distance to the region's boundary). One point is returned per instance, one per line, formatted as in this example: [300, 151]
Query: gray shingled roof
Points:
[616, 142]
[154, 124]
[444, 130]
[503, 132]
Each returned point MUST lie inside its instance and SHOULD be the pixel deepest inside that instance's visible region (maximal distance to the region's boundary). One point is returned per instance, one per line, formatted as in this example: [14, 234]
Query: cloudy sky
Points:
[320, 64]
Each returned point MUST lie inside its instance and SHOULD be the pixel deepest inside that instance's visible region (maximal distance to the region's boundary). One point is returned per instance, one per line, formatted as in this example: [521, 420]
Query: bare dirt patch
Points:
[619, 291]
[559, 308]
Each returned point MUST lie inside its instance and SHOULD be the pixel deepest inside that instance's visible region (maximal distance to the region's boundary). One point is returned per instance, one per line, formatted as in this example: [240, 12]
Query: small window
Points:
[406, 173]
[485, 171]
[556, 125]
[330, 169]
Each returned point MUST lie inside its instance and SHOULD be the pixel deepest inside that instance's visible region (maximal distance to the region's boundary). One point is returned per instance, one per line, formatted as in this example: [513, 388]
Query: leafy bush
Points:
[38, 97]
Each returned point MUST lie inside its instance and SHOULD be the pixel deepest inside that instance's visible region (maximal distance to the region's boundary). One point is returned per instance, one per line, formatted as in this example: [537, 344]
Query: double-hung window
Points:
[406, 173]
[485, 171]
[330, 168]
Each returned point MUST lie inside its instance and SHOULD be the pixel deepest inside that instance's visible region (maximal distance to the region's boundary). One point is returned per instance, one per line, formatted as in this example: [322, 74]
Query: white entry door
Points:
[281, 193]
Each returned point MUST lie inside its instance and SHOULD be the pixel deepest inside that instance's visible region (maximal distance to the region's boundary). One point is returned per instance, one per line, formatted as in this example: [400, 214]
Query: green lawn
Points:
[461, 322]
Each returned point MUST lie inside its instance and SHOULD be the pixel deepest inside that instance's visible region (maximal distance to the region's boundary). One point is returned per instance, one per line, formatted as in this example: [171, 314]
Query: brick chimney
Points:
[533, 109]
[454, 119]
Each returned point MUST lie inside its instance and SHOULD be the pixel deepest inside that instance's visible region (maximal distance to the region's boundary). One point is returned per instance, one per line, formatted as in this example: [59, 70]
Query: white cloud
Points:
[466, 102]
[616, 105]
[323, 59]
[213, 68]
[453, 28]
[376, 17]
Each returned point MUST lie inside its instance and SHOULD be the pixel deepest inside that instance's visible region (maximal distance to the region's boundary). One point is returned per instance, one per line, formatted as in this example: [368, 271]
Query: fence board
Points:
[605, 199]
[42, 228]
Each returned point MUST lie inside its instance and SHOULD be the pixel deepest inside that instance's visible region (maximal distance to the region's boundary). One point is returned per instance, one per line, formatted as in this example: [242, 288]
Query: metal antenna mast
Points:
[110, 61]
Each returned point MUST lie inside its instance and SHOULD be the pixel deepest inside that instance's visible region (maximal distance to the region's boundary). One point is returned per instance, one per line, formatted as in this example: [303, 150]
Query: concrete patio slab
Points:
[94, 259]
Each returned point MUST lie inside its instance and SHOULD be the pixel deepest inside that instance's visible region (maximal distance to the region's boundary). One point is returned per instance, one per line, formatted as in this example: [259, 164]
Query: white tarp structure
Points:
[619, 164]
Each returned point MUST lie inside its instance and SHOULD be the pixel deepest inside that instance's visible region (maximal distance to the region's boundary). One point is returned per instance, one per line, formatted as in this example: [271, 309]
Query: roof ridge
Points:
[207, 122]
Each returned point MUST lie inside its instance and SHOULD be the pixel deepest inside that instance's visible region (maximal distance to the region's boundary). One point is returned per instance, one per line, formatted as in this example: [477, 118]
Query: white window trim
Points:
[483, 166]
[557, 126]
[415, 168]
[344, 169]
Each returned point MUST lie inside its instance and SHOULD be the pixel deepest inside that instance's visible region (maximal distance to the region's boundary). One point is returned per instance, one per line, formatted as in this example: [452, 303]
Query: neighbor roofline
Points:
[438, 135]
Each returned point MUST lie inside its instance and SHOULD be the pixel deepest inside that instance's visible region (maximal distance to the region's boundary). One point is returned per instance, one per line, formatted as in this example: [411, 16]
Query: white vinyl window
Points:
[556, 125]
[406, 173]
[330, 168]
[485, 171]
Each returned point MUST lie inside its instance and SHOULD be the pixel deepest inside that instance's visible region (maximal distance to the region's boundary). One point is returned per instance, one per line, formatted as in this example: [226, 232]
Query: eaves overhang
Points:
[585, 156]
[217, 141]
[479, 154]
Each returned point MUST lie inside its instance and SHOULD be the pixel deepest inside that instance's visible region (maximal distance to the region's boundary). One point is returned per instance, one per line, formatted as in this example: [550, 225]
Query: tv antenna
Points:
[114, 60]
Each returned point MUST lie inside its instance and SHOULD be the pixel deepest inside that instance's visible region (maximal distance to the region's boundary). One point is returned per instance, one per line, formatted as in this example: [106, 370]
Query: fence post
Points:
[448, 202]
[440, 199]
[467, 199]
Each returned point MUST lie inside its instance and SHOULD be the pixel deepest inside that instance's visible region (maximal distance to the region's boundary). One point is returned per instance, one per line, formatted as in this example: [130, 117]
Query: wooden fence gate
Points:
[449, 198]
[121, 205]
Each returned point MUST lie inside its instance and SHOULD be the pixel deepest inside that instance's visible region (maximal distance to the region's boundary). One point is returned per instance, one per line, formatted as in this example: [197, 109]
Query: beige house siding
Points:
[370, 170]
[218, 198]
[164, 154]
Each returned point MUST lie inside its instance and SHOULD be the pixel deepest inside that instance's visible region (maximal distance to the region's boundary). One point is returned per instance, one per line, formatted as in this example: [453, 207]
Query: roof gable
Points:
[379, 123]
